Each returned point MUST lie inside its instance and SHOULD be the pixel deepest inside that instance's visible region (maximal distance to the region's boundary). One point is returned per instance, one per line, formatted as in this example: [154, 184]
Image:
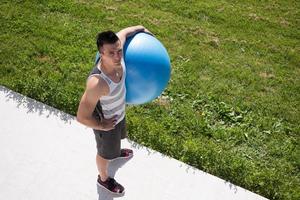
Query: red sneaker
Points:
[112, 186]
[126, 153]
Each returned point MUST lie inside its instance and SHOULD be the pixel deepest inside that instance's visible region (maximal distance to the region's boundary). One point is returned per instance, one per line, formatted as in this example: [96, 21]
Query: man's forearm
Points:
[133, 29]
[90, 122]
[129, 31]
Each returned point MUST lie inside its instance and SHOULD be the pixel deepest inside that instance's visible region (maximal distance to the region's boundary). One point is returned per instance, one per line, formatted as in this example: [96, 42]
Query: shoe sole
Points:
[112, 193]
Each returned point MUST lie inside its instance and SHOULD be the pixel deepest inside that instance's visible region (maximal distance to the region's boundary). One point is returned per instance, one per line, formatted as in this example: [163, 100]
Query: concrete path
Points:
[46, 155]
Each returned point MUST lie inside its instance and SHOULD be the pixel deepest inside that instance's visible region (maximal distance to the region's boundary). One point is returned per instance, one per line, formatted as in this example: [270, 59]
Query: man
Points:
[102, 106]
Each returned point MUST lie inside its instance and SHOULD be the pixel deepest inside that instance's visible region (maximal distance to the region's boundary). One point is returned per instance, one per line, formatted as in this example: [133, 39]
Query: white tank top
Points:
[114, 102]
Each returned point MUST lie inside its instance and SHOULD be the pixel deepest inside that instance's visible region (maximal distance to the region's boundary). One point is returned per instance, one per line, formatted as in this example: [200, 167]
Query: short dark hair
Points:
[106, 37]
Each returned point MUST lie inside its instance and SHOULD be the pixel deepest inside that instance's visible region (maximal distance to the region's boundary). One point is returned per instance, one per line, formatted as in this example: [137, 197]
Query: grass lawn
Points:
[232, 107]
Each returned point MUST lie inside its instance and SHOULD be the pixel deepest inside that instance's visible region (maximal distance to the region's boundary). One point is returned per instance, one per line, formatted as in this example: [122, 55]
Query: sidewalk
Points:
[47, 155]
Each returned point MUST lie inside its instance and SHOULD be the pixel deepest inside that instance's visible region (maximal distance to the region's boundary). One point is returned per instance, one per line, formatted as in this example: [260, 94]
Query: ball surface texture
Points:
[148, 68]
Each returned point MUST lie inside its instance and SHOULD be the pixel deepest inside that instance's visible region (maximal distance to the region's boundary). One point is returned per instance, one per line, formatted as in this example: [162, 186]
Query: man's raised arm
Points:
[129, 31]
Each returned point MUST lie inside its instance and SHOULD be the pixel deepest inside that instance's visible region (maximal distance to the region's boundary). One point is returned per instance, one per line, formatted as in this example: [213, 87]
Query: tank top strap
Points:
[104, 77]
[97, 72]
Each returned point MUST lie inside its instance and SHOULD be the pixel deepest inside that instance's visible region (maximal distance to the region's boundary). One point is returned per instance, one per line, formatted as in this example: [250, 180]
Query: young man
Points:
[102, 106]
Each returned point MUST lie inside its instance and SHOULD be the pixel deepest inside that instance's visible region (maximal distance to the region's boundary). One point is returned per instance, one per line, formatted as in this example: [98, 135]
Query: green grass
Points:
[232, 105]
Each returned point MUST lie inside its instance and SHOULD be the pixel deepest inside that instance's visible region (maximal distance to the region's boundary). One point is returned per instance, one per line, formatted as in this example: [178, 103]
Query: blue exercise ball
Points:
[148, 68]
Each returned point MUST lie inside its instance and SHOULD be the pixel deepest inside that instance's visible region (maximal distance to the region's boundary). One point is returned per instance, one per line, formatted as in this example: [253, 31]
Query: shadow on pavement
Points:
[34, 106]
[113, 167]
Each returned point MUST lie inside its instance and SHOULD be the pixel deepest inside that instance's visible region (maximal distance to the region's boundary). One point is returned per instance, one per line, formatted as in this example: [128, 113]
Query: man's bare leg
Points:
[102, 165]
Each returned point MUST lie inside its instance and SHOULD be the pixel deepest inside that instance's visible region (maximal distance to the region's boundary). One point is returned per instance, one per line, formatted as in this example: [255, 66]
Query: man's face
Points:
[112, 54]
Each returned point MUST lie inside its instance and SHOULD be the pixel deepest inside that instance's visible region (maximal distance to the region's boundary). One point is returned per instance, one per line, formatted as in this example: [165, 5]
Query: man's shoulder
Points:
[97, 84]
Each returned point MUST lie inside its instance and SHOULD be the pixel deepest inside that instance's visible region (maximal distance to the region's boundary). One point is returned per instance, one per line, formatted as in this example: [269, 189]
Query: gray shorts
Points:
[109, 142]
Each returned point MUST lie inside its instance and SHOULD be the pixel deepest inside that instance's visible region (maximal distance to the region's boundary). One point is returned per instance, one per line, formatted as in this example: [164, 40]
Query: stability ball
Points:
[148, 68]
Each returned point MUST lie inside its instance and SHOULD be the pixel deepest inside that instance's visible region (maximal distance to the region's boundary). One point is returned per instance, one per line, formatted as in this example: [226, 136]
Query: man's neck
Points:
[104, 67]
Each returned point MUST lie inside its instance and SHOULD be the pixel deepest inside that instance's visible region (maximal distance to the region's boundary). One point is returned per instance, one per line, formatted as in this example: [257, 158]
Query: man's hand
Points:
[147, 31]
[129, 31]
[108, 124]
[140, 28]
